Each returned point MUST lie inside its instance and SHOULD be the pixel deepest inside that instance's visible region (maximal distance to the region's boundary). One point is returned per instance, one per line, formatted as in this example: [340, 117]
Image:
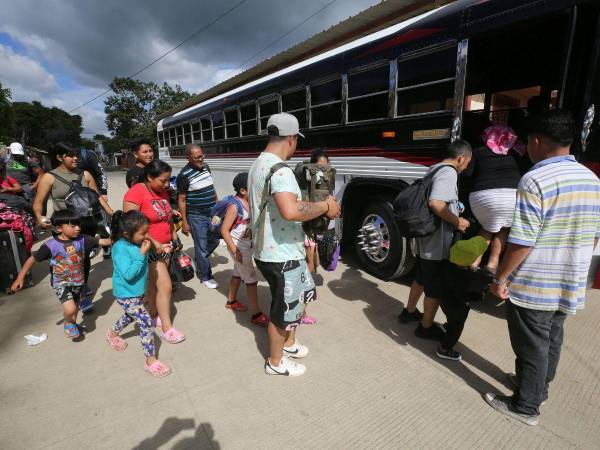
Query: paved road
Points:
[369, 383]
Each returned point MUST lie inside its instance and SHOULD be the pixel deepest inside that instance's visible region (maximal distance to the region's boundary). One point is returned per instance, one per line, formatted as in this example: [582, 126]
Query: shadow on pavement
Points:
[382, 311]
[171, 427]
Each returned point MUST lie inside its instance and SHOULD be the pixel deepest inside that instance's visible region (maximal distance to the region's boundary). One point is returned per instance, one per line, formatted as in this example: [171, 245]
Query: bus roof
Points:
[371, 20]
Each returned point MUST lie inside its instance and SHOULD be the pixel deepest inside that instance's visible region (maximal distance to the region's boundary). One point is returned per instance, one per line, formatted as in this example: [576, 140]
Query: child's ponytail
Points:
[124, 225]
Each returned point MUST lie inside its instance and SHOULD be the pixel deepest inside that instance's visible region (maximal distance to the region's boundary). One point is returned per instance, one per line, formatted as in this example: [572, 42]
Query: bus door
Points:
[514, 71]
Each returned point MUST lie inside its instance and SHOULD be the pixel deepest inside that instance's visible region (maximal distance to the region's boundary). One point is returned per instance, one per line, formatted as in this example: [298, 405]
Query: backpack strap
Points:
[437, 169]
[59, 178]
[266, 193]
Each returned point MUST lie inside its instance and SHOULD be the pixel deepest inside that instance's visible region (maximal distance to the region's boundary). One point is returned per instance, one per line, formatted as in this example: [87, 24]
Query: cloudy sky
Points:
[64, 52]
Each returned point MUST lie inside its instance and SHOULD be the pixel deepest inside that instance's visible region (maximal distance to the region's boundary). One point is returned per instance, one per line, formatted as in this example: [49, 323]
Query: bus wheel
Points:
[380, 248]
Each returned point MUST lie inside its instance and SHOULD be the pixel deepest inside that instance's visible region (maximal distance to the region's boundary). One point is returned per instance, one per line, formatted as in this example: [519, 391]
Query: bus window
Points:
[295, 103]
[368, 94]
[172, 141]
[232, 123]
[179, 130]
[248, 113]
[187, 133]
[161, 141]
[426, 82]
[326, 103]
[267, 108]
[504, 101]
[196, 132]
[217, 123]
[206, 129]
[475, 102]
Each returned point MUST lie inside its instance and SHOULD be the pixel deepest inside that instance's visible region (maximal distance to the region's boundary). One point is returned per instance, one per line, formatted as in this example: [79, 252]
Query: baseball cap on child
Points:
[16, 149]
[283, 124]
[464, 253]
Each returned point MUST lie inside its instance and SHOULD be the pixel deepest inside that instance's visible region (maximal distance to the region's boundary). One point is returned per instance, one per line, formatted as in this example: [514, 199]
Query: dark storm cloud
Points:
[96, 40]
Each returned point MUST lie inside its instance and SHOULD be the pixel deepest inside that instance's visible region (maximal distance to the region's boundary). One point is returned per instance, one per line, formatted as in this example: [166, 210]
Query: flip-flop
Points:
[308, 320]
[71, 330]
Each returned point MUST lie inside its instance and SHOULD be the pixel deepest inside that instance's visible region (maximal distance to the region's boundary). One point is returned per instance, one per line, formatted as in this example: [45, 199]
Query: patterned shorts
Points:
[66, 293]
[292, 286]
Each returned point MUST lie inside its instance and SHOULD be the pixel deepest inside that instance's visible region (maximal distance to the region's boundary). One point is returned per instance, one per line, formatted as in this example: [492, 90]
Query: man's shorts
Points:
[291, 286]
[244, 270]
[430, 274]
[66, 293]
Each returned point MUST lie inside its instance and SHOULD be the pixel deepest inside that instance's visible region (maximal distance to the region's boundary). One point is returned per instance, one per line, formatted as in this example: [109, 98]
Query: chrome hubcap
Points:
[374, 238]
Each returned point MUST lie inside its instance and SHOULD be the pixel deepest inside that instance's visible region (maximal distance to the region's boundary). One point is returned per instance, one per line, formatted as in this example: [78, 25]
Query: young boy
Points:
[237, 234]
[66, 252]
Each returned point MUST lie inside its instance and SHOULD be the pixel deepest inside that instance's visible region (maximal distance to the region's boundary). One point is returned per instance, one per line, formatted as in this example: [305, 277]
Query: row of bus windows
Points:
[424, 84]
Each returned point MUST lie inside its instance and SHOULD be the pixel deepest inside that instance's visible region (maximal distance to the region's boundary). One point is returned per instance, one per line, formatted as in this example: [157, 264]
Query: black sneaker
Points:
[407, 317]
[434, 332]
[502, 404]
[449, 354]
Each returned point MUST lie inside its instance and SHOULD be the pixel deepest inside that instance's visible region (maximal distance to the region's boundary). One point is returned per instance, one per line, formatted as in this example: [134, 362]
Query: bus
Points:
[386, 100]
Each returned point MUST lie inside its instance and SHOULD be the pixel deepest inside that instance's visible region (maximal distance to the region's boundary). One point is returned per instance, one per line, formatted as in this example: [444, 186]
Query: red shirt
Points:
[8, 182]
[156, 208]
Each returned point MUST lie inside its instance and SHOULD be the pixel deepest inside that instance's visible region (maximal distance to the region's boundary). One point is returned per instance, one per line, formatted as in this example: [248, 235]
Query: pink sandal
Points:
[116, 342]
[172, 336]
[308, 320]
[157, 369]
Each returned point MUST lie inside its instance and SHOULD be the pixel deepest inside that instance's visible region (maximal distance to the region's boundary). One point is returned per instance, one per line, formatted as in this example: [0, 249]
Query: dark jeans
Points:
[203, 245]
[536, 338]
[456, 311]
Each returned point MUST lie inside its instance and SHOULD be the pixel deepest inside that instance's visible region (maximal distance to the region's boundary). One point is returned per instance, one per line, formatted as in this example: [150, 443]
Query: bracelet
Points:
[498, 282]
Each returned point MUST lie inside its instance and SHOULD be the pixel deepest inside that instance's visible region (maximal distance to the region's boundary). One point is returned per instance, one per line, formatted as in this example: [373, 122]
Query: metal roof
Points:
[373, 19]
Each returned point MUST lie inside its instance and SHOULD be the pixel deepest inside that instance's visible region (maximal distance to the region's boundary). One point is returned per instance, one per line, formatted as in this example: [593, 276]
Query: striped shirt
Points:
[198, 185]
[558, 215]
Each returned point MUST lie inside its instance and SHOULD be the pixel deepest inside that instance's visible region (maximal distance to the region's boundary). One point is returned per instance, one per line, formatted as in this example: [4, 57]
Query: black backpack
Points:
[411, 208]
[317, 183]
[85, 202]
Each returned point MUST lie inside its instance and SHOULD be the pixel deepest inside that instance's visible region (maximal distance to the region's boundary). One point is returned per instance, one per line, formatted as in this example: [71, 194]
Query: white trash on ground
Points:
[35, 340]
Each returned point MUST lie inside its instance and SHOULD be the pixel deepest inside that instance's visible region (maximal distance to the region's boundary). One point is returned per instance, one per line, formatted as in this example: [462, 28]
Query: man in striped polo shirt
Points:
[544, 270]
[196, 196]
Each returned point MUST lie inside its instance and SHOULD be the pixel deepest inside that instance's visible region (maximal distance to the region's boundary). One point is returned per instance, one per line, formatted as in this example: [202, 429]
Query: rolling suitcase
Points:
[12, 256]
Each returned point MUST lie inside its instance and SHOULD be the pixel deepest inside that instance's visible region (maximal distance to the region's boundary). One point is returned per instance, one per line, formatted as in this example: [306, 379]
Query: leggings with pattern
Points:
[135, 311]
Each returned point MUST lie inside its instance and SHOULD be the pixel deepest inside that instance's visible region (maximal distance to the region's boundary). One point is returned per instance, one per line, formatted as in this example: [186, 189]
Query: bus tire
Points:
[390, 255]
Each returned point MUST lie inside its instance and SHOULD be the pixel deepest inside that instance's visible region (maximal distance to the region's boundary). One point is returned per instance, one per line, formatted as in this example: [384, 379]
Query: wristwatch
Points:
[499, 282]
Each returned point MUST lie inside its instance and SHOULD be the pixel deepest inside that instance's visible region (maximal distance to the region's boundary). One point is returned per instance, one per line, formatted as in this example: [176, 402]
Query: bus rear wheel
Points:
[380, 248]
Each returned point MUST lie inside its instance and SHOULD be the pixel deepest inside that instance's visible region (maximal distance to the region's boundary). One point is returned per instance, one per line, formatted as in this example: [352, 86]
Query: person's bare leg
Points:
[277, 338]
[252, 293]
[497, 247]
[234, 286]
[290, 338]
[151, 290]
[416, 290]
[70, 311]
[430, 307]
[163, 295]
[488, 238]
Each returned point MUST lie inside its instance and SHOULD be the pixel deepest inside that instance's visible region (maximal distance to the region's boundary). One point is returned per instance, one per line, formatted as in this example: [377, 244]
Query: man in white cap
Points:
[27, 173]
[277, 215]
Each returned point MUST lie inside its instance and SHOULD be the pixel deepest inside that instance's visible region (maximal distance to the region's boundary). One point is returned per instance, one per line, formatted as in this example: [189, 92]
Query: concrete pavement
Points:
[370, 383]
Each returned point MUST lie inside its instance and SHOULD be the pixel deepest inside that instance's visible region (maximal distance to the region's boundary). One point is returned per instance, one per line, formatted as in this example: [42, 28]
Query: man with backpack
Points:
[196, 196]
[433, 250]
[277, 211]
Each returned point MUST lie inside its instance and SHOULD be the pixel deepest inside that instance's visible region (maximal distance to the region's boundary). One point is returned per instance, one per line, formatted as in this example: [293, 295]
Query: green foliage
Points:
[6, 114]
[132, 109]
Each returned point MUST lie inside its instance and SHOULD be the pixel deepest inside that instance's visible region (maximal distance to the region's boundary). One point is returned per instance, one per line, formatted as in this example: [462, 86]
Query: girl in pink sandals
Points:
[130, 263]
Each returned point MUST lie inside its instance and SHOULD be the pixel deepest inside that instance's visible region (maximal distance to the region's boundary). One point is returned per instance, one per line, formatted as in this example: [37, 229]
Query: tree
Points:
[132, 110]
[6, 113]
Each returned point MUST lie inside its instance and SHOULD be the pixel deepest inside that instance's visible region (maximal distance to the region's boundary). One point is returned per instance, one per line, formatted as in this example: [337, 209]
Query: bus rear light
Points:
[388, 134]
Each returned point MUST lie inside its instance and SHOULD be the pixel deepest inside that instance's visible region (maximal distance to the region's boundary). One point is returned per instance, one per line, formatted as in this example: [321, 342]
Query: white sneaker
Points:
[211, 284]
[285, 367]
[295, 351]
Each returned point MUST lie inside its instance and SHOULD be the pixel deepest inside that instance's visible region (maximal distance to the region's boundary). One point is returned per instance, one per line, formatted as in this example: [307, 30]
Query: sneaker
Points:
[172, 336]
[407, 317]
[286, 367]
[296, 351]
[211, 284]
[449, 354]
[502, 404]
[86, 305]
[260, 319]
[434, 332]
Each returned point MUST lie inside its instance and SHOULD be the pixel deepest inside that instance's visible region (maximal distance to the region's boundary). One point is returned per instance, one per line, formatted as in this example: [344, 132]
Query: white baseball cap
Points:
[16, 149]
[283, 124]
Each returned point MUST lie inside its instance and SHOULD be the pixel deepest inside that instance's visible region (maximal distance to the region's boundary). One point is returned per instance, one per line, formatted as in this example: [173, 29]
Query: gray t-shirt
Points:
[436, 247]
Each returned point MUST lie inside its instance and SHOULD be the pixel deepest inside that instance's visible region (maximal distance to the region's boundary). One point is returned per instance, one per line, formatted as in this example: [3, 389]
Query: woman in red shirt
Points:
[152, 198]
[8, 185]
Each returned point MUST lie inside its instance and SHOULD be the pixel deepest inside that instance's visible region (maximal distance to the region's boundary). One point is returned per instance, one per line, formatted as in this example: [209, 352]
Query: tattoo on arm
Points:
[309, 210]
